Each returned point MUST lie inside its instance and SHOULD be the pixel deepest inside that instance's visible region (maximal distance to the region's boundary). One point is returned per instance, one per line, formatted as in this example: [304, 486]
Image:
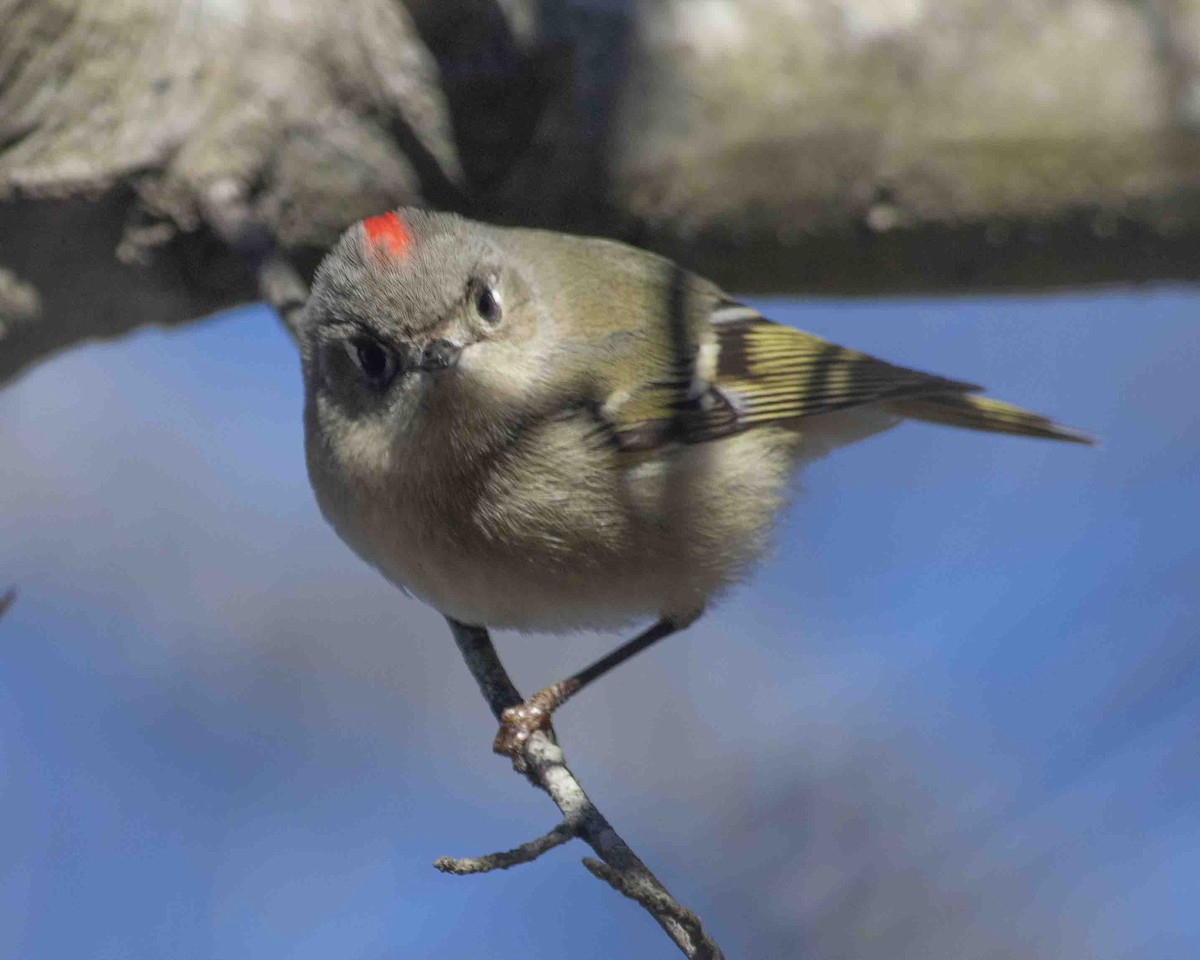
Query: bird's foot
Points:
[519, 723]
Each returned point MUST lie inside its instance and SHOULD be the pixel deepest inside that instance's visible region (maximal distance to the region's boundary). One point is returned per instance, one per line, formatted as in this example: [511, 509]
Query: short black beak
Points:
[439, 355]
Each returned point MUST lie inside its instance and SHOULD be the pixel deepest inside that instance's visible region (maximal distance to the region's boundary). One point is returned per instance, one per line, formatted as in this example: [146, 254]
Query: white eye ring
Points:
[374, 361]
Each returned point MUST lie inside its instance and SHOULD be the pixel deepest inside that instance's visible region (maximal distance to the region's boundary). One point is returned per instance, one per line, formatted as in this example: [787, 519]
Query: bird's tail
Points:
[984, 413]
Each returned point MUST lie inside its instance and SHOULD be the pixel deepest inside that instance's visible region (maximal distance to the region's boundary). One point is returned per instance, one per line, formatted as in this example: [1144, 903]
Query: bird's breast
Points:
[559, 531]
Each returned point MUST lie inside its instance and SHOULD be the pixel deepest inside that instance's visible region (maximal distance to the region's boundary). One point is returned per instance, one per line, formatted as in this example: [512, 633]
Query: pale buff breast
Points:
[561, 533]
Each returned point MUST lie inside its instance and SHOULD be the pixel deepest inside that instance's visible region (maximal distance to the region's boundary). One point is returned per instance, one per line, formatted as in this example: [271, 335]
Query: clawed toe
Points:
[517, 724]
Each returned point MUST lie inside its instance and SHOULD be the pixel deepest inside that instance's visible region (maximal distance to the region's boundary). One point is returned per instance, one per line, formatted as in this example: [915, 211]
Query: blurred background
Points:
[954, 715]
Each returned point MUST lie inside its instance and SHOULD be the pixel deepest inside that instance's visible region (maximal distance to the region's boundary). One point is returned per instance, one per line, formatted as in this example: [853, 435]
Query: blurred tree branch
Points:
[844, 146]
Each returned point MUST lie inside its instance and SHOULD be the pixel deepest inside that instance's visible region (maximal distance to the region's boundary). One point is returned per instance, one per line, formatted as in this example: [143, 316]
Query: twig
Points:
[543, 764]
[525, 853]
[282, 287]
[656, 900]
[227, 211]
[6, 600]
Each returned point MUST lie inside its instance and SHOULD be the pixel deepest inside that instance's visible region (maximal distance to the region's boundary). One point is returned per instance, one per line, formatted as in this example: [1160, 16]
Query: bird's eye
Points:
[487, 303]
[375, 362]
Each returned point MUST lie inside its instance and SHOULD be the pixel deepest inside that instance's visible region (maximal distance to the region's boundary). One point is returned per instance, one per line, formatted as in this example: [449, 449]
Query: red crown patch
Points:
[388, 233]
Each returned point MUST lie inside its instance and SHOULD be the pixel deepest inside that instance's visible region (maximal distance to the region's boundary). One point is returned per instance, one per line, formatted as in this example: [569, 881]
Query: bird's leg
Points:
[517, 723]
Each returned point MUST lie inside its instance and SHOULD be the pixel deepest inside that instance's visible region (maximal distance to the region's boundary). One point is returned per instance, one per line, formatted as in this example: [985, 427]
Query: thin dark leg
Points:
[648, 637]
[518, 722]
[489, 673]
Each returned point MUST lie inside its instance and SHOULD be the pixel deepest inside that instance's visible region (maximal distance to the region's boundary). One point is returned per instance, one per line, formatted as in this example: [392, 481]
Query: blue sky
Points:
[956, 711]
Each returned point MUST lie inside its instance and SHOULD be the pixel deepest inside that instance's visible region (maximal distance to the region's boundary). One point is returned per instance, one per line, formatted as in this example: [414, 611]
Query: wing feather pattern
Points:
[747, 372]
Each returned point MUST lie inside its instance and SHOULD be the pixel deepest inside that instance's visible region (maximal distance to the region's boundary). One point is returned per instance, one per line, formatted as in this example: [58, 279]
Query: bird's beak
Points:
[439, 354]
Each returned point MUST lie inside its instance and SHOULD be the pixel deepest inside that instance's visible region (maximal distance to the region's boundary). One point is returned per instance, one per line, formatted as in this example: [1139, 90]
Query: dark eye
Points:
[487, 303]
[375, 362]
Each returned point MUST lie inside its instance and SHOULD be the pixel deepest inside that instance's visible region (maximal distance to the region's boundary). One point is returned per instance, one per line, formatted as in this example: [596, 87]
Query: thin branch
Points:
[542, 762]
[228, 213]
[6, 600]
[283, 288]
[525, 853]
[656, 900]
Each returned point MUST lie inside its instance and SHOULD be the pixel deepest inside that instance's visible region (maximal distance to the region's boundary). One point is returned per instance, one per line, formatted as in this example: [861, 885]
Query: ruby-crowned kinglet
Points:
[533, 430]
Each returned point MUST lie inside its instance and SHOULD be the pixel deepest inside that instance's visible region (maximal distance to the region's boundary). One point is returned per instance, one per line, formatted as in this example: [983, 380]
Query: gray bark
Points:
[855, 146]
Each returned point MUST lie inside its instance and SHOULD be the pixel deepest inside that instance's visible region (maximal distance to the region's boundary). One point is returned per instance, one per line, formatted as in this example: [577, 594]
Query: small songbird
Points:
[533, 430]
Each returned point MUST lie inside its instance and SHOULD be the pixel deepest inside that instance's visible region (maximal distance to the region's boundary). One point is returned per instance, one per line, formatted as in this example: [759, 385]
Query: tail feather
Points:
[984, 413]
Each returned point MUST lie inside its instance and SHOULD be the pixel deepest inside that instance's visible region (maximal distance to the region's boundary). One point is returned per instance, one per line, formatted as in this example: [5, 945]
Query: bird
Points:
[546, 432]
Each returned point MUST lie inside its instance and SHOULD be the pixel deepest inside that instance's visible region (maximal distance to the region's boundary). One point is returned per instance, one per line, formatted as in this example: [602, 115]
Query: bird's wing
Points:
[740, 370]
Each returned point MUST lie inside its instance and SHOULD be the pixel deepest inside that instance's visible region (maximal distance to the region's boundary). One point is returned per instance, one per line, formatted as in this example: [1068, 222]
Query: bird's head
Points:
[420, 336]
